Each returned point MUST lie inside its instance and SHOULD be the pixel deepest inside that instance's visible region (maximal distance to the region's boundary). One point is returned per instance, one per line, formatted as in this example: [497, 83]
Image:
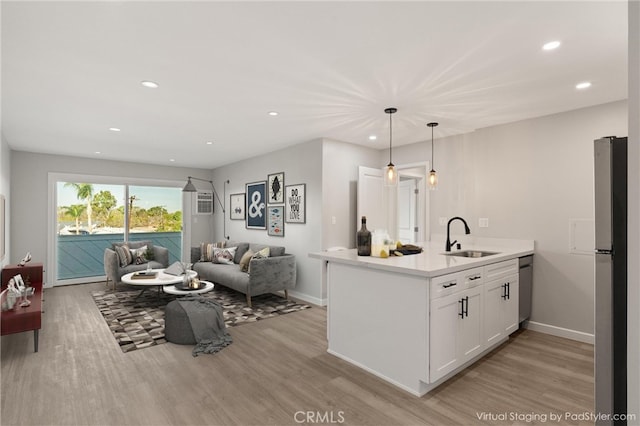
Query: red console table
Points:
[18, 319]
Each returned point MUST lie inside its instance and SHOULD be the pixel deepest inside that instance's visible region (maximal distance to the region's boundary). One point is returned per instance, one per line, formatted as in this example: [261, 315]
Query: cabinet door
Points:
[470, 336]
[501, 309]
[494, 299]
[511, 319]
[443, 352]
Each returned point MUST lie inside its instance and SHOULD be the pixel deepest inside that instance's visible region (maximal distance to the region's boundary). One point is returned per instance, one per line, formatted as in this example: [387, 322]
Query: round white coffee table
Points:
[172, 289]
[156, 277]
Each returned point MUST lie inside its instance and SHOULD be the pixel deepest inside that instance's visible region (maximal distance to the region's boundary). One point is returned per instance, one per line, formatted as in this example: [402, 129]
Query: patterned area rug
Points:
[139, 323]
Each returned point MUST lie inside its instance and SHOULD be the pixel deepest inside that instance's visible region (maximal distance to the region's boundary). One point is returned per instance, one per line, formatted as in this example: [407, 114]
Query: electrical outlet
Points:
[483, 222]
[443, 221]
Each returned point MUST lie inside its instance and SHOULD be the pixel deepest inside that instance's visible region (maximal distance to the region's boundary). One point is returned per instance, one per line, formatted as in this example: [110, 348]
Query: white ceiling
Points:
[72, 70]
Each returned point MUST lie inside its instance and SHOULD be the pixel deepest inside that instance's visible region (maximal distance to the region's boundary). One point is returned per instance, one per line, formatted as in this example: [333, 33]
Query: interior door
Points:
[371, 198]
[407, 210]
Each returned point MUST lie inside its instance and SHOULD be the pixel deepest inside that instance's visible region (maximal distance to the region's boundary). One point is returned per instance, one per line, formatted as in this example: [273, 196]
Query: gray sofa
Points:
[114, 271]
[267, 275]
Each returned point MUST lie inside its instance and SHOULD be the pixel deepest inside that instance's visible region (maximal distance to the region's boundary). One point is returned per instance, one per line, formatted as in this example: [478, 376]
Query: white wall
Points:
[633, 280]
[29, 185]
[330, 170]
[340, 163]
[529, 179]
[301, 164]
[5, 189]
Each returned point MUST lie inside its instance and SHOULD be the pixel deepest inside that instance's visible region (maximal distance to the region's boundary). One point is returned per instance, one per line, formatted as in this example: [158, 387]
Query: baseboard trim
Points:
[306, 298]
[560, 332]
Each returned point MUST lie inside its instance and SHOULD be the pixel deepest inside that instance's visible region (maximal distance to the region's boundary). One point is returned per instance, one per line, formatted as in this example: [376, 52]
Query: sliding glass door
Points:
[92, 216]
[155, 213]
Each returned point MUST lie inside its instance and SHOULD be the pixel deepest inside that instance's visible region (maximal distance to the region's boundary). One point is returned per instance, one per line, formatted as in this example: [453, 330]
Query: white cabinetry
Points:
[501, 300]
[456, 312]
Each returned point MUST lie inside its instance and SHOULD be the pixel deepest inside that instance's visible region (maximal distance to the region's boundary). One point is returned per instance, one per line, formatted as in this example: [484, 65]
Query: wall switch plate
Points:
[333, 220]
[483, 222]
[443, 221]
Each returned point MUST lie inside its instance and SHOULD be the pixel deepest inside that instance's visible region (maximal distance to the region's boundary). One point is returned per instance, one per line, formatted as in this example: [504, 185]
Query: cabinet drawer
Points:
[472, 277]
[500, 269]
[445, 285]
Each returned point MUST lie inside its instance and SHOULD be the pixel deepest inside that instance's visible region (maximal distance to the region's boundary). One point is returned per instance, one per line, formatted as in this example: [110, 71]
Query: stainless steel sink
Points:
[471, 253]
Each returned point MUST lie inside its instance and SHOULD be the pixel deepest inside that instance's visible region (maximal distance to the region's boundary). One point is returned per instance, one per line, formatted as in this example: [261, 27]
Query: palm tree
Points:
[84, 191]
[75, 211]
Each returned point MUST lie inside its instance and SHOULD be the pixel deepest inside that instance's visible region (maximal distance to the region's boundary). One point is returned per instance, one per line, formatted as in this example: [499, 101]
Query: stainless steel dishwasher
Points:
[525, 280]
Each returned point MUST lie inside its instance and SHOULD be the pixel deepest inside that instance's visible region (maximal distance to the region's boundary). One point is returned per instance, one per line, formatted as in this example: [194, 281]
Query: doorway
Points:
[402, 211]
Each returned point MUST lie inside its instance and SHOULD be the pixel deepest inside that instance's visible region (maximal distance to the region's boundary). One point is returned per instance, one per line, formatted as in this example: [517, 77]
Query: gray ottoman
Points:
[177, 328]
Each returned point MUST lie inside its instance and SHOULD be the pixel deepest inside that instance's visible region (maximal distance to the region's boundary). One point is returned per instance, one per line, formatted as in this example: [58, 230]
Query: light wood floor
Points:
[274, 369]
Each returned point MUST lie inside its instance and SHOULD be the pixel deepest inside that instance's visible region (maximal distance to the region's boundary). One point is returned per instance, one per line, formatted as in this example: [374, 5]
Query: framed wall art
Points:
[275, 215]
[255, 205]
[296, 205]
[236, 206]
[275, 183]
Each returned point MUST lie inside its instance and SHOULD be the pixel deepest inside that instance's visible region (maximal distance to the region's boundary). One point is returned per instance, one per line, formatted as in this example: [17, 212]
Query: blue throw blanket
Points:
[207, 323]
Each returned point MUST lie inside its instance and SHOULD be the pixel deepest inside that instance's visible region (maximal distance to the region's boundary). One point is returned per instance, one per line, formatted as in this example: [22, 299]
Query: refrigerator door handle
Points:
[603, 251]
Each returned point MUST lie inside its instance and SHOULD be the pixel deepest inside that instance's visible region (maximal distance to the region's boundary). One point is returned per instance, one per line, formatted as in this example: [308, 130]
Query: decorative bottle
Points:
[363, 239]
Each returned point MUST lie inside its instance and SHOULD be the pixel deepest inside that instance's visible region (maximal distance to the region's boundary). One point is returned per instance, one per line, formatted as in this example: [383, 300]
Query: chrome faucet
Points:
[466, 231]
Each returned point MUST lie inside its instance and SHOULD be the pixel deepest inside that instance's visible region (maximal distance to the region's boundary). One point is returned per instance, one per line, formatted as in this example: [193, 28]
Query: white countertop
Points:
[432, 262]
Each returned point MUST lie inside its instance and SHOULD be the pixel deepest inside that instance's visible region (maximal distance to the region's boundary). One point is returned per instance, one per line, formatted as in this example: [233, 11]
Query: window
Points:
[89, 217]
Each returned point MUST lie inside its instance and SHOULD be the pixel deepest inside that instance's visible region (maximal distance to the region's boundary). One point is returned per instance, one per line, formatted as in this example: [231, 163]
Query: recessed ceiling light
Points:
[373, 137]
[583, 85]
[172, 160]
[273, 113]
[114, 129]
[551, 45]
[150, 84]
[209, 143]
[98, 152]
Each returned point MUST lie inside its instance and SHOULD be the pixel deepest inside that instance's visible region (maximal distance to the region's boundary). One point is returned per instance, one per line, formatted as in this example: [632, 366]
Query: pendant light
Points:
[390, 174]
[433, 177]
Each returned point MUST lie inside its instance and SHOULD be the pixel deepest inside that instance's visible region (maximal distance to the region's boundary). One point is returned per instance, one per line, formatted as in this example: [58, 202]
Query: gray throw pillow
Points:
[124, 255]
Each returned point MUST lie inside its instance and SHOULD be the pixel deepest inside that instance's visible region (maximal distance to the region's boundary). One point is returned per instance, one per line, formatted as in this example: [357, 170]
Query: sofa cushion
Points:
[139, 255]
[134, 268]
[124, 255]
[274, 250]
[263, 253]
[206, 250]
[244, 262]
[134, 244]
[227, 275]
[240, 251]
[224, 255]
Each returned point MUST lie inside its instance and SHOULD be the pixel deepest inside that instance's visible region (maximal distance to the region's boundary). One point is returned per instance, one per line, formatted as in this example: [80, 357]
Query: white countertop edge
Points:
[433, 262]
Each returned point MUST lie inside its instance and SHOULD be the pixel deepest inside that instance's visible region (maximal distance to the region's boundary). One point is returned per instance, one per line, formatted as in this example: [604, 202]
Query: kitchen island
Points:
[417, 320]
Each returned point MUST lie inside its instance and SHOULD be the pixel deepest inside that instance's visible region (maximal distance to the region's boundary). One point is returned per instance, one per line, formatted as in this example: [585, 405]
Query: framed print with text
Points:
[296, 205]
[275, 184]
[255, 205]
[275, 215]
[236, 206]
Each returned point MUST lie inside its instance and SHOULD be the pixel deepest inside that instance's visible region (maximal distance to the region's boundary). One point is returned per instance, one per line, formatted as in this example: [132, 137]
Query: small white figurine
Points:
[21, 291]
[13, 293]
[26, 259]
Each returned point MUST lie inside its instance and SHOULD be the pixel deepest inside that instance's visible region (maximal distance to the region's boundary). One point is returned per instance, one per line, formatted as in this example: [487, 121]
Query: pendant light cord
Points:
[433, 167]
[390, 133]
[432, 125]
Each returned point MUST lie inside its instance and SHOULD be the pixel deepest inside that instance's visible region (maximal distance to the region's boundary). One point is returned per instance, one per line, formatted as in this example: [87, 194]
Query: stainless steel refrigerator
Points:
[610, 279]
